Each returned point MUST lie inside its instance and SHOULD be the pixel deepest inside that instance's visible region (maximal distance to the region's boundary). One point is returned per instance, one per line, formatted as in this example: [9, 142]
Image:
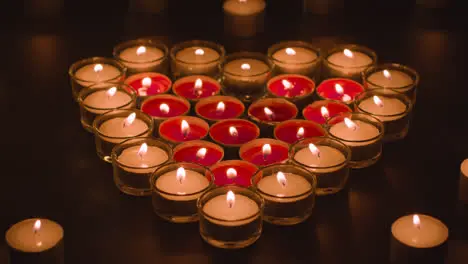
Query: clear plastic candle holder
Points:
[348, 61]
[176, 188]
[297, 57]
[245, 74]
[327, 158]
[392, 108]
[116, 126]
[135, 160]
[196, 57]
[362, 133]
[395, 76]
[289, 193]
[143, 55]
[230, 217]
[94, 71]
[97, 101]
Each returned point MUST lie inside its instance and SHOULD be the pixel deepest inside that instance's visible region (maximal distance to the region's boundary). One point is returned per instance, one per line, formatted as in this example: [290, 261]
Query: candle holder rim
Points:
[181, 80]
[246, 55]
[123, 45]
[165, 95]
[193, 118]
[204, 101]
[138, 76]
[257, 130]
[300, 44]
[77, 65]
[315, 124]
[405, 100]
[325, 102]
[336, 100]
[200, 142]
[284, 75]
[258, 120]
[150, 124]
[209, 44]
[358, 48]
[84, 93]
[375, 68]
[375, 122]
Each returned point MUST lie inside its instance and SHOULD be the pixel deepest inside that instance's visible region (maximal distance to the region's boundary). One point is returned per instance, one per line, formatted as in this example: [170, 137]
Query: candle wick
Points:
[230, 204]
[265, 157]
[180, 180]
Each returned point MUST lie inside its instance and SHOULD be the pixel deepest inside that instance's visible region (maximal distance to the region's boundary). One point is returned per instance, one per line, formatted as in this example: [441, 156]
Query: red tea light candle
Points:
[293, 87]
[149, 83]
[265, 151]
[216, 108]
[195, 87]
[321, 111]
[232, 133]
[269, 112]
[294, 130]
[198, 151]
[183, 128]
[339, 89]
[238, 172]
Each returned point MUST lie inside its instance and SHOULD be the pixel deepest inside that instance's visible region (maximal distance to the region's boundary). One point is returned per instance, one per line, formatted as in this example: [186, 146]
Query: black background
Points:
[50, 168]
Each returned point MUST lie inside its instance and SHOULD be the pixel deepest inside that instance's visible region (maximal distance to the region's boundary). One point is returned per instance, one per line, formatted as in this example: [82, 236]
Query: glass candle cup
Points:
[114, 127]
[321, 111]
[362, 133]
[296, 57]
[134, 161]
[340, 90]
[295, 88]
[176, 130]
[288, 191]
[390, 107]
[398, 77]
[230, 217]
[233, 172]
[245, 75]
[94, 71]
[264, 151]
[195, 87]
[97, 101]
[269, 112]
[348, 61]
[196, 57]
[198, 151]
[143, 55]
[175, 189]
[220, 107]
[148, 84]
[244, 19]
[327, 158]
[291, 131]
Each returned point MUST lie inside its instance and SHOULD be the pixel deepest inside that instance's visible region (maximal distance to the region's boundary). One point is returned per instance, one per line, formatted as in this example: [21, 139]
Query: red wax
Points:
[187, 152]
[300, 85]
[245, 170]
[351, 88]
[253, 152]
[170, 129]
[287, 130]
[313, 111]
[207, 108]
[282, 110]
[185, 87]
[159, 83]
[246, 131]
[177, 106]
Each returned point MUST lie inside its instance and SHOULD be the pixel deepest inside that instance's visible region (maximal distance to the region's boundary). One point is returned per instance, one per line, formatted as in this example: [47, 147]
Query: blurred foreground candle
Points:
[265, 151]
[195, 87]
[230, 217]
[245, 75]
[295, 88]
[244, 18]
[116, 126]
[321, 111]
[134, 161]
[183, 128]
[237, 172]
[418, 239]
[149, 83]
[38, 241]
[362, 133]
[339, 89]
[143, 55]
[348, 61]
[94, 71]
[327, 158]
[198, 151]
[269, 112]
[463, 185]
[289, 193]
[216, 108]
[196, 57]
[176, 188]
[291, 131]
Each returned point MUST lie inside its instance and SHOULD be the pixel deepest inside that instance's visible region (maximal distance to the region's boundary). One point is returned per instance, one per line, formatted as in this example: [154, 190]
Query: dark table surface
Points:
[50, 168]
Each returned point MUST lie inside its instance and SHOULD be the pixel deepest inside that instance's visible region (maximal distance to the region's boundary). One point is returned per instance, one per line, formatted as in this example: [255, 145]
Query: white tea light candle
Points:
[181, 182]
[355, 133]
[284, 185]
[390, 79]
[348, 61]
[142, 157]
[322, 157]
[231, 208]
[106, 99]
[383, 108]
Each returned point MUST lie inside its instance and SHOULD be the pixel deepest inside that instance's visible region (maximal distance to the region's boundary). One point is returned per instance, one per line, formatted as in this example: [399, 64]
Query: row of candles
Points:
[284, 162]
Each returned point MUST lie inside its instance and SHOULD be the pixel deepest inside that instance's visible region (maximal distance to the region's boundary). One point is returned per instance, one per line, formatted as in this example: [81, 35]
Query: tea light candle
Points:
[196, 87]
[349, 61]
[463, 186]
[320, 156]
[269, 112]
[102, 100]
[339, 89]
[417, 239]
[181, 182]
[238, 172]
[96, 73]
[35, 241]
[321, 111]
[121, 127]
[284, 185]
[264, 151]
[247, 69]
[198, 151]
[244, 18]
[141, 157]
[294, 130]
[291, 86]
[142, 55]
[216, 108]
[164, 106]
[183, 128]
[390, 79]
[355, 131]
[383, 108]
[149, 83]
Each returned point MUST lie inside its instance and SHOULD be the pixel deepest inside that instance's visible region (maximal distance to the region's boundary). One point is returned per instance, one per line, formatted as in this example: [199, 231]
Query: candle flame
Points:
[230, 199]
[387, 74]
[37, 225]
[220, 107]
[268, 112]
[324, 112]
[198, 83]
[290, 51]
[281, 178]
[180, 175]
[378, 101]
[266, 151]
[129, 120]
[199, 52]
[346, 98]
[146, 81]
[338, 88]
[231, 173]
[416, 221]
[300, 132]
[348, 53]
[314, 150]
[111, 92]
[141, 50]
[164, 108]
[98, 67]
[184, 128]
[201, 153]
[233, 131]
[350, 124]
[245, 66]
[143, 150]
[287, 84]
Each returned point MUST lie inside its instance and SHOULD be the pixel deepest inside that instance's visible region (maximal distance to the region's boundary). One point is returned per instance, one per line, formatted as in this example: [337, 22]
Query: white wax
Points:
[101, 100]
[363, 132]
[463, 187]
[243, 208]
[329, 157]
[144, 60]
[392, 108]
[398, 79]
[115, 128]
[244, 8]
[431, 231]
[194, 182]
[189, 55]
[359, 59]
[256, 67]
[302, 55]
[87, 76]
[296, 185]
[21, 236]
[153, 157]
